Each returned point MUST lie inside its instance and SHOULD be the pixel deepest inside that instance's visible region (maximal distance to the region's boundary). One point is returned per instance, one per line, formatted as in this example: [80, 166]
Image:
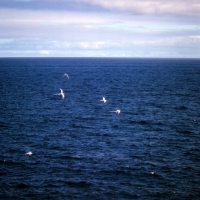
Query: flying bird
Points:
[67, 75]
[29, 153]
[61, 93]
[117, 111]
[104, 100]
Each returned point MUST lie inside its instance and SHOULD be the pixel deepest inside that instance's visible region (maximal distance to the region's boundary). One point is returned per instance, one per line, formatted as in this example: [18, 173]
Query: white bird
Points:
[117, 111]
[61, 93]
[29, 153]
[104, 100]
[67, 75]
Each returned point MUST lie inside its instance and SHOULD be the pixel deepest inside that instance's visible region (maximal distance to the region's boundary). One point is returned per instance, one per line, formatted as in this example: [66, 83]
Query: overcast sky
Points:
[100, 28]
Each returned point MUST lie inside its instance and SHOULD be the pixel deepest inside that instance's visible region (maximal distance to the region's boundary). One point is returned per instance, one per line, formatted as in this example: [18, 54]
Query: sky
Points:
[100, 28]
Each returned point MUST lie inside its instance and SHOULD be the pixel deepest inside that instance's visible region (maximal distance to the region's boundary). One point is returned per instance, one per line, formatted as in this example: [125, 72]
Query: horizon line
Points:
[109, 57]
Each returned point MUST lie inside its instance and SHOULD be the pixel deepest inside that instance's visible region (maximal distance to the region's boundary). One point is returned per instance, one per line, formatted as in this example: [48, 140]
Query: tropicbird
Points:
[104, 100]
[29, 153]
[61, 93]
[67, 75]
[117, 111]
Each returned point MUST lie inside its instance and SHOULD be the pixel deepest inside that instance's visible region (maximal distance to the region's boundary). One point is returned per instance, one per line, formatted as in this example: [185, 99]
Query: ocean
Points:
[82, 150]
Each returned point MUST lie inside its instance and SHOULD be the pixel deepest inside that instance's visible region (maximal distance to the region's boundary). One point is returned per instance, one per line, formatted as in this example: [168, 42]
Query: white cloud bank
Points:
[181, 7]
[102, 28]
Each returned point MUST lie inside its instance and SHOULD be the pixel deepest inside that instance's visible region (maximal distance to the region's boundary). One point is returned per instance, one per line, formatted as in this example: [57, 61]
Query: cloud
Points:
[5, 40]
[92, 45]
[58, 44]
[176, 7]
[147, 7]
[44, 52]
[100, 28]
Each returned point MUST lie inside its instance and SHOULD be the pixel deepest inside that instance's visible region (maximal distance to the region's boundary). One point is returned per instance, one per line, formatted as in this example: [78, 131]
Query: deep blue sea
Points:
[81, 150]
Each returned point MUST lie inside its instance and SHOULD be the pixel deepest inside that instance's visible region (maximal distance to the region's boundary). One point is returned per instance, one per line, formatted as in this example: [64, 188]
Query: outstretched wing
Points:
[67, 75]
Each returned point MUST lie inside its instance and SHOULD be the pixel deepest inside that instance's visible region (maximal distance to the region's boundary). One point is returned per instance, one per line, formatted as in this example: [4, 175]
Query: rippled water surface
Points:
[81, 150]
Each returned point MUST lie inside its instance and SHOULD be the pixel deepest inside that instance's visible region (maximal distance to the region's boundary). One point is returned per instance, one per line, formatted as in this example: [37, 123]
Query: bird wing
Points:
[67, 75]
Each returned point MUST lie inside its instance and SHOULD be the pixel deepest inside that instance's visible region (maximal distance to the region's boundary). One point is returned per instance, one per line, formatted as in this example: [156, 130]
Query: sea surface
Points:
[82, 150]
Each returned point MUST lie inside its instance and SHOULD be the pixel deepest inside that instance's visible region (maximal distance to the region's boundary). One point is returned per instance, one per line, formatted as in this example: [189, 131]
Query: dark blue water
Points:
[81, 150]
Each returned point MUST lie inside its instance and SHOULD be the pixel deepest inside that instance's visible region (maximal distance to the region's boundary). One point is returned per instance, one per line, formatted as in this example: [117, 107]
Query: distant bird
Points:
[61, 93]
[104, 100]
[29, 153]
[117, 111]
[67, 75]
